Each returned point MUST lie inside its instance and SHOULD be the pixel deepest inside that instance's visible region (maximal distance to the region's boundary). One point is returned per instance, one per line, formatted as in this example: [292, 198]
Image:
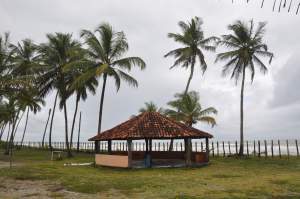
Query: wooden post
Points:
[272, 148]
[207, 148]
[296, 142]
[247, 145]
[236, 148]
[201, 147]
[258, 148]
[229, 147]
[287, 147]
[109, 146]
[180, 146]
[188, 151]
[213, 148]
[150, 145]
[176, 146]
[96, 146]
[129, 146]
[163, 146]
[167, 145]
[279, 148]
[254, 149]
[266, 149]
[147, 145]
[223, 149]
[196, 146]
[217, 148]
[158, 146]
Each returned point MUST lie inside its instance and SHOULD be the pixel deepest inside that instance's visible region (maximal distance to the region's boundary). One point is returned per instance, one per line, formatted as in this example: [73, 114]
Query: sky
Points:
[272, 101]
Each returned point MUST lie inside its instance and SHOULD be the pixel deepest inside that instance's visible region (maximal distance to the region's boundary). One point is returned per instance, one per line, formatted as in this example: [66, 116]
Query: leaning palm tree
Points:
[187, 109]
[26, 64]
[31, 101]
[60, 50]
[246, 47]
[193, 41]
[150, 107]
[106, 49]
[81, 88]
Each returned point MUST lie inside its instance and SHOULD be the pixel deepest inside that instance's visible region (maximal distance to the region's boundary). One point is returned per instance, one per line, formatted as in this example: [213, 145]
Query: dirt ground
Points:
[11, 189]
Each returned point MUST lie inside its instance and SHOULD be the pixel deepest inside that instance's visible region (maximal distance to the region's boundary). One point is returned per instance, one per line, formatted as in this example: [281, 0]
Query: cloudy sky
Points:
[272, 102]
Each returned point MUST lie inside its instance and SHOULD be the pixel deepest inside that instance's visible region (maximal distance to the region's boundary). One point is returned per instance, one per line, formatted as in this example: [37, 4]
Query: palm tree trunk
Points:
[11, 139]
[73, 123]
[2, 131]
[66, 131]
[43, 141]
[190, 78]
[51, 123]
[101, 103]
[16, 127]
[8, 133]
[25, 127]
[241, 151]
[79, 132]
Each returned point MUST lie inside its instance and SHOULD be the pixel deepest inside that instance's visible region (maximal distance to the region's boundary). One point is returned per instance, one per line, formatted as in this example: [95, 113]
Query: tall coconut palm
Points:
[187, 109]
[246, 48]
[60, 51]
[106, 49]
[26, 64]
[80, 88]
[193, 43]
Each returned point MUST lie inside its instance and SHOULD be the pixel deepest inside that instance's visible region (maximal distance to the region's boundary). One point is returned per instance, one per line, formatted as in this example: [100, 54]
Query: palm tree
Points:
[44, 134]
[106, 49]
[246, 47]
[187, 109]
[32, 102]
[150, 107]
[59, 52]
[80, 88]
[193, 41]
[26, 64]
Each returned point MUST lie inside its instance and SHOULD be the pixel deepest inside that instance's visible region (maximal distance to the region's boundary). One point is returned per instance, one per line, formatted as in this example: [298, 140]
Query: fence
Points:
[265, 148]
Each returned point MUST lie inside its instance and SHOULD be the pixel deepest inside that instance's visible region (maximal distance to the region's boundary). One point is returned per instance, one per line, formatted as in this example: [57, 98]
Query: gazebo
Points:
[150, 127]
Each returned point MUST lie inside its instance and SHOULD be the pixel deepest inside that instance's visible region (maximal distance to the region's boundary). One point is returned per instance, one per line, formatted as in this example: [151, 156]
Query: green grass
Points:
[223, 178]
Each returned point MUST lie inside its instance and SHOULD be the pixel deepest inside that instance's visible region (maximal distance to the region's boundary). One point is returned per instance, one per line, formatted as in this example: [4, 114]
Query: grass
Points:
[223, 178]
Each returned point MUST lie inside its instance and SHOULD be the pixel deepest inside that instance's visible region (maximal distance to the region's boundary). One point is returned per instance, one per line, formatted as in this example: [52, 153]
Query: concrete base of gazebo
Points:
[121, 161]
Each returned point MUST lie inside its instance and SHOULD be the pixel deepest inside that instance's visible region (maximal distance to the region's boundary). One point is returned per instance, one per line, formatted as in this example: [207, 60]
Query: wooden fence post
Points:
[213, 148]
[247, 148]
[296, 142]
[217, 148]
[223, 149]
[272, 148]
[287, 147]
[236, 148]
[279, 148]
[254, 148]
[258, 148]
[266, 149]
[229, 147]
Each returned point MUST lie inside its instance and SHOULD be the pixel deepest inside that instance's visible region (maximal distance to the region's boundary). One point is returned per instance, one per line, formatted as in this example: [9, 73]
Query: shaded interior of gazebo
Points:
[146, 130]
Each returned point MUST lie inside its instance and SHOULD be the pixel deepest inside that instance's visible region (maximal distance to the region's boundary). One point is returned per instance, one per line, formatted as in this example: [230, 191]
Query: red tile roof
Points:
[150, 125]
